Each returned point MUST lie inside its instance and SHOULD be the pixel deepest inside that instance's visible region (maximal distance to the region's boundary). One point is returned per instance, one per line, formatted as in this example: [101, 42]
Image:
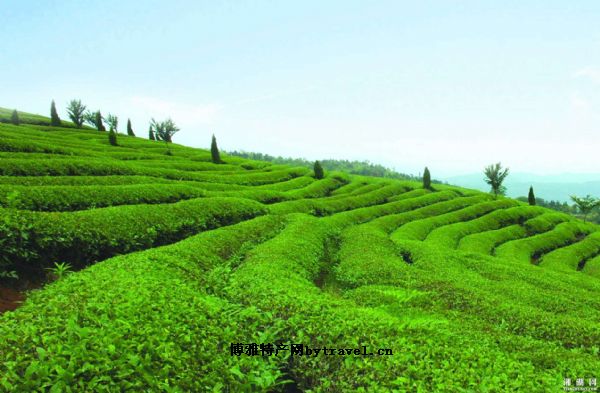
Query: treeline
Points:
[564, 207]
[365, 168]
[79, 114]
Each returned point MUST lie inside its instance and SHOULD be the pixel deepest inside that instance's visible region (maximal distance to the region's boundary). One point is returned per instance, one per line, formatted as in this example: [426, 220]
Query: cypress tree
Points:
[98, 122]
[214, 151]
[151, 134]
[531, 196]
[129, 129]
[112, 137]
[318, 169]
[54, 119]
[426, 179]
[14, 118]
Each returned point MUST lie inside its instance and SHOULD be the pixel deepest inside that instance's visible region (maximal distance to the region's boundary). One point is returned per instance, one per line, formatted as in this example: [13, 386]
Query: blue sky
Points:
[448, 84]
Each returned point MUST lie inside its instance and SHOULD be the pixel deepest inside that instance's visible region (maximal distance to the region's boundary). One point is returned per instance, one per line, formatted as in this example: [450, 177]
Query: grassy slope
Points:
[471, 294]
[29, 118]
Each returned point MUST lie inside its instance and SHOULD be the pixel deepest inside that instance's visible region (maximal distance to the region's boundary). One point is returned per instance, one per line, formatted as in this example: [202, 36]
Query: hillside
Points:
[178, 258]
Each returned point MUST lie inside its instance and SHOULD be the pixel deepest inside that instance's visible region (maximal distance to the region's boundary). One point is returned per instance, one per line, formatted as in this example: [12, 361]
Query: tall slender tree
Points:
[495, 175]
[531, 196]
[95, 119]
[426, 179]
[318, 169]
[76, 112]
[54, 119]
[112, 137]
[151, 133]
[14, 118]
[214, 151]
[129, 129]
[99, 124]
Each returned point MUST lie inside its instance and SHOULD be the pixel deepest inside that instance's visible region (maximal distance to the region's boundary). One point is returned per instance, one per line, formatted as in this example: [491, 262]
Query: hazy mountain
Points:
[550, 187]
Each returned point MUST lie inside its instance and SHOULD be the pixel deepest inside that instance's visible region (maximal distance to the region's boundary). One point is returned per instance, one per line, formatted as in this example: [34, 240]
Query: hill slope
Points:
[469, 293]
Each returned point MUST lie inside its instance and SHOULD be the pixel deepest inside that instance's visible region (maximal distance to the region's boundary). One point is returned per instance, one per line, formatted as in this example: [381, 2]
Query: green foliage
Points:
[585, 204]
[151, 134]
[318, 170]
[529, 249]
[495, 176]
[112, 137]
[197, 255]
[60, 198]
[76, 111]
[575, 256]
[531, 197]
[11, 274]
[144, 319]
[426, 179]
[214, 151]
[129, 129]
[95, 119]
[14, 118]
[163, 130]
[419, 230]
[112, 121]
[54, 119]
[59, 270]
[35, 239]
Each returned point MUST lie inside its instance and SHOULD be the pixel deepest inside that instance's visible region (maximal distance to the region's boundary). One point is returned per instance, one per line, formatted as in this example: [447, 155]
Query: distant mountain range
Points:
[549, 187]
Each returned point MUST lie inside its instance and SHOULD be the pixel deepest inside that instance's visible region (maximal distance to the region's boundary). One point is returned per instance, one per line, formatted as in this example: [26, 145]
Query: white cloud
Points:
[182, 113]
[592, 73]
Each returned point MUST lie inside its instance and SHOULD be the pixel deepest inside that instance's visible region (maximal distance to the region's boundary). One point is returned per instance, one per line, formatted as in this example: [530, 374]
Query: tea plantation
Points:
[177, 258]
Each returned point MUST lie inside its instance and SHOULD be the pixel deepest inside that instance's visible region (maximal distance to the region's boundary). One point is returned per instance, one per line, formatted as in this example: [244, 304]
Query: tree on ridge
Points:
[76, 111]
[318, 170]
[495, 176]
[54, 119]
[129, 129]
[426, 179]
[531, 196]
[14, 118]
[214, 151]
[585, 204]
[163, 131]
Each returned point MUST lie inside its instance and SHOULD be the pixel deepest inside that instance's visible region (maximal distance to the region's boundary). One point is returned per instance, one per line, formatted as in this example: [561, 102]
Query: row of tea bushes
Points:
[32, 241]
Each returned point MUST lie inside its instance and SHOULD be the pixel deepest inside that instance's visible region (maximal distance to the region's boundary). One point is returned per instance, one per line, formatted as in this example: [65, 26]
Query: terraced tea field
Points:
[177, 258]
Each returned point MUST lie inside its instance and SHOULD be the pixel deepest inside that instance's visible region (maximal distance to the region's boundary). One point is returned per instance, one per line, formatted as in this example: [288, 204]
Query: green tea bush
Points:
[116, 180]
[534, 246]
[103, 167]
[419, 229]
[487, 241]
[390, 211]
[320, 188]
[327, 206]
[288, 185]
[592, 267]
[570, 257]
[140, 322]
[80, 238]
[450, 235]
[355, 184]
[60, 198]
